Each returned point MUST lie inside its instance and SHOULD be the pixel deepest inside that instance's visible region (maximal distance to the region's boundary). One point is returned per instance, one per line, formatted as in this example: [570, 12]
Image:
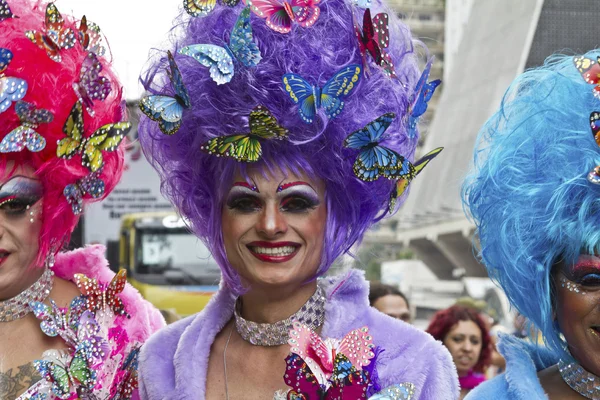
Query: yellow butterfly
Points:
[106, 138]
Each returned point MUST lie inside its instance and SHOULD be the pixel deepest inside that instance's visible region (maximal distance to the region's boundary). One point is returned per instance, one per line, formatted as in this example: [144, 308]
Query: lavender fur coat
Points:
[173, 362]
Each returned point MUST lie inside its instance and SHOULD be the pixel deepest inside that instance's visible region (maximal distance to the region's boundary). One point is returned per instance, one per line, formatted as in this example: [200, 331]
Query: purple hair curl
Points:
[196, 182]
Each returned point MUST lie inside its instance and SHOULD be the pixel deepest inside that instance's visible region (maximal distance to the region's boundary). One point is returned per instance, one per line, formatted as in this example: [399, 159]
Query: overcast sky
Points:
[132, 28]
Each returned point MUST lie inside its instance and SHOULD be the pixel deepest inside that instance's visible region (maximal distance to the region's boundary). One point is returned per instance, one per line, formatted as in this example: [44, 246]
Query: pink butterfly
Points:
[320, 355]
[280, 13]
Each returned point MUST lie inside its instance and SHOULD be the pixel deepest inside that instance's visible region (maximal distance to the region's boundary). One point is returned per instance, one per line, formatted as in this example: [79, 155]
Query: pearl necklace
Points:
[18, 306]
[583, 382]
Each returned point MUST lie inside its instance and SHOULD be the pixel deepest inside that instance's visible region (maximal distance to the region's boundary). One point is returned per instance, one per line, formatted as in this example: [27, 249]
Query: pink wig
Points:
[50, 86]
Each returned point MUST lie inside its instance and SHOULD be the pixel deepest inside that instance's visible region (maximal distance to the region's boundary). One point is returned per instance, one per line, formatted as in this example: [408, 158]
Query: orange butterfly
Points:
[56, 37]
[99, 296]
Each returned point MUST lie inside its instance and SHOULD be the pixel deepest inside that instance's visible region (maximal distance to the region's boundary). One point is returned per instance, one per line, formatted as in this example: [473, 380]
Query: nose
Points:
[271, 222]
[467, 346]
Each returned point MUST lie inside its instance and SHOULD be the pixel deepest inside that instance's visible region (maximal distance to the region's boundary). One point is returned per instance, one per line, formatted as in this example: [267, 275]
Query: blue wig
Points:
[196, 182]
[528, 193]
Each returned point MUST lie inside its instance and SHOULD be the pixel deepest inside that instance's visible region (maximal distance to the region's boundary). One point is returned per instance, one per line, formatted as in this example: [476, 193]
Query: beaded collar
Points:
[583, 382]
[311, 314]
[18, 306]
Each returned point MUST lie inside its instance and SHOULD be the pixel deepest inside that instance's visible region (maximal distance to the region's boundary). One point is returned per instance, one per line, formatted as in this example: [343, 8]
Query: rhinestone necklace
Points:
[583, 382]
[311, 314]
[18, 306]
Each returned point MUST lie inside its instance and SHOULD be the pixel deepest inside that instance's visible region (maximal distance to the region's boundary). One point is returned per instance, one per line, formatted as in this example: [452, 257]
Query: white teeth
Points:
[274, 251]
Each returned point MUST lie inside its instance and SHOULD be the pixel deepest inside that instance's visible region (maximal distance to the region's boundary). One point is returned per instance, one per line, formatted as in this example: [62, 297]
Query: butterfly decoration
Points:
[280, 14]
[403, 183]
[400, 391]
[5, 11]
[55, 36]
[106, 138]
[219, 59]
[330, 97]
[91, 85]
[90, 38]
[246, 147]
[127, 376]
[11, 89]
[65, 372]
[362, 3]
[374, 38]
[90, 184]
[374, 160]
[168, 110]
[201, 8]
[25, 136]
[590, 71]
[57, 321]
[418, 101]
[594, 175]
[100, 296]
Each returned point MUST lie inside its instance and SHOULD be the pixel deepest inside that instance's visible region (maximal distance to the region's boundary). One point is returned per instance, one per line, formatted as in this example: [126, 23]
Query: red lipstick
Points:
[273, 258]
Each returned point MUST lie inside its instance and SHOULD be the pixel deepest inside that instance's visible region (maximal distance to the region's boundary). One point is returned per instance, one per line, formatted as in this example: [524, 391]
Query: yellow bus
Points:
[165, 261]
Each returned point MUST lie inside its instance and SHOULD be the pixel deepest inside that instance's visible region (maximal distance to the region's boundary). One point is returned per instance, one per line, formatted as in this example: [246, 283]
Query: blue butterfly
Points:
[375, 161]
[311, 98]
[419, 99]
[402, 391]
[25, 136]
[219, 59]
[168, 110]
[11, 89]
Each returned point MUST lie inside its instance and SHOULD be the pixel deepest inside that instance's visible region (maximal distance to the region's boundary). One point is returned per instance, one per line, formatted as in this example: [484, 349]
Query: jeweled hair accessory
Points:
[5, 11]
[594, 175]
[280, 14]
[374, 38]
[90, 37]
[25, 136]
[11, 89]
[246, 147]
[590, 71]
[19, 306]
[91, 85]
[330, 97]
[90, 184]
[418, 101]
[220, 59]
[106, 138]
[201, 8]
[168, 110]
[55, 37]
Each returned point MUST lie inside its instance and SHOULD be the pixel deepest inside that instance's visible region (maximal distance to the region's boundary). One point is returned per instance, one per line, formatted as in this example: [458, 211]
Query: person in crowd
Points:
[390, 301]
[533, 195]
[280, 141]
[69, 327]
[464, 332]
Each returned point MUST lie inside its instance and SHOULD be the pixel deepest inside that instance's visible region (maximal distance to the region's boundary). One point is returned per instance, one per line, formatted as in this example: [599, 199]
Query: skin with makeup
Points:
[21, 198]
[273, 231]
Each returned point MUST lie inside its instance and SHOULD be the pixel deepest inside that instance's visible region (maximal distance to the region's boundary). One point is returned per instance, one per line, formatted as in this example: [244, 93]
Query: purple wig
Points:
[197, 182]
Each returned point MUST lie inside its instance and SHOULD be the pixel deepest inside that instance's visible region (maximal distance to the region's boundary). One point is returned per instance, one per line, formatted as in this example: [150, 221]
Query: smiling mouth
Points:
[3, 256]
[596, 330]
[273, 252]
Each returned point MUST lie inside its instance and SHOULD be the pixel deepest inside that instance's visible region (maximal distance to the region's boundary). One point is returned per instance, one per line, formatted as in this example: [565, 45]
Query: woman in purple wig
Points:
[282, 132]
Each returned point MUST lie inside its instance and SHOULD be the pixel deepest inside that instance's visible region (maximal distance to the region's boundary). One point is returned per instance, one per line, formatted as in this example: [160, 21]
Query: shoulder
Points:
[91, 261]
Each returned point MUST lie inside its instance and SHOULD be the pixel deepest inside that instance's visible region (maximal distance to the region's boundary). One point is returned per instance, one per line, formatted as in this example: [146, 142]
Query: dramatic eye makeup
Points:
[297, 197]
[243, 197]
[586, 271]
[19, 193]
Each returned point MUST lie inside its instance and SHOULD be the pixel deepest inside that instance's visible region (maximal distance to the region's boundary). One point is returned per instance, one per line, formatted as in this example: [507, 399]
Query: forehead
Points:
[466, 327]
[10, 169]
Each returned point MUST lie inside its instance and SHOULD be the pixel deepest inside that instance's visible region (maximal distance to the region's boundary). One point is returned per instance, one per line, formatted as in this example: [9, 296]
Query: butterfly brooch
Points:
[590, 71]
[168, 110]
[90, 184]
[66, 372]
[246, 147]
[280, 14]
[91, 85]
[99, 296]
[594, 175]
[374, 38]
[201, 8]
[417, 104]
[403, 183]
[11, 89]
[90, 38]
[25, 136]
[106, 138]
[330, 97]
[374, 160]
[56, 321]
[5, 12]
[330, 368]
[219, 59]
[55, 37]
